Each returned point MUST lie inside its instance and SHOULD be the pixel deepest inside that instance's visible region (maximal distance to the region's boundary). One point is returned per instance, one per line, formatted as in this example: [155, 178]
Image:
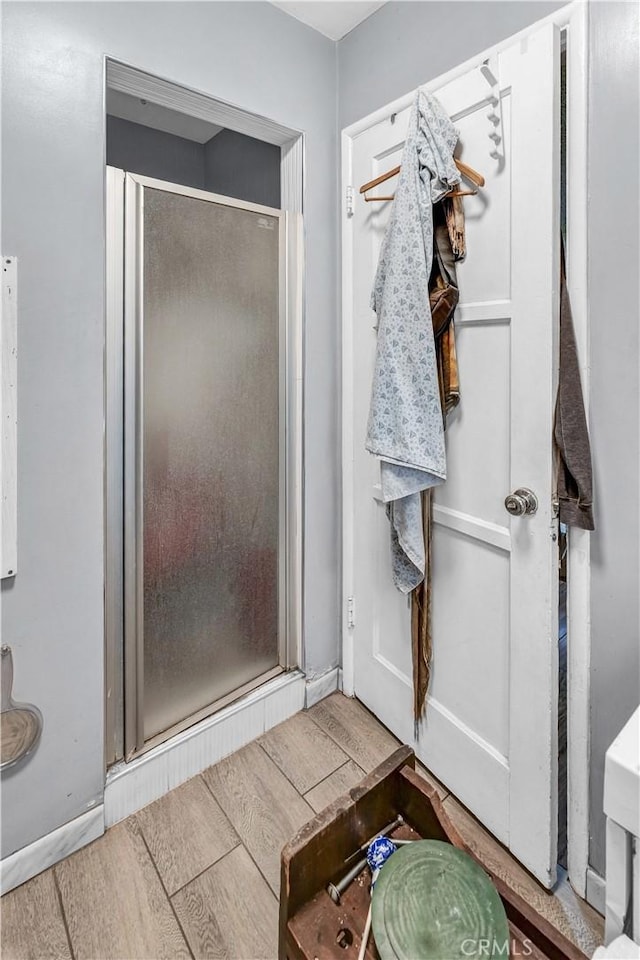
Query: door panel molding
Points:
[573, 19]
[476, 527]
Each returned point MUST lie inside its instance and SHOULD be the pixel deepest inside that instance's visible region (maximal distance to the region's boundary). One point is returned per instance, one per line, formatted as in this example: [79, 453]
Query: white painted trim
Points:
[595, 890]
[579, 543]
[131, 786]
[320, 687]
[205, 195]
[9, 417]
[53, 847]
[194, 103]
[495, 311]
[574, 16]
[138, 83]
[493, 533]
[348, 653]
[292, 180]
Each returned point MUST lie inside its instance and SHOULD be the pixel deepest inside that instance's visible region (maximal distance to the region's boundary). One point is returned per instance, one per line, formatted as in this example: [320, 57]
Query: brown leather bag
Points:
[443, 289]
[443, 301]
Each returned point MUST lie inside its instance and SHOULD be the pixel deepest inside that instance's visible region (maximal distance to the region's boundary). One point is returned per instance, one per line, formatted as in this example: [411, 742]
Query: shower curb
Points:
[131, 786]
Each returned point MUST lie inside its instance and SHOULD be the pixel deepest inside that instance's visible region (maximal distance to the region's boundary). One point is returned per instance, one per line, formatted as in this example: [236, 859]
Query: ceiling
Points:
[334, 18]
[149, 114]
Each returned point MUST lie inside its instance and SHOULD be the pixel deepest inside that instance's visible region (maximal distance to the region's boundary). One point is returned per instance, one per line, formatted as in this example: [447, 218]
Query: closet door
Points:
[203, 453]
[490, 731]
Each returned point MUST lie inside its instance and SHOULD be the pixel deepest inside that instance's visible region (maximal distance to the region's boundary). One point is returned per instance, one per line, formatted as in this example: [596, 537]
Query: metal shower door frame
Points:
[124, 476]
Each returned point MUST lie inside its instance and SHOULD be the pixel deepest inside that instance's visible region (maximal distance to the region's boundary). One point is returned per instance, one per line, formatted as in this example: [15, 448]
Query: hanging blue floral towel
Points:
[405, 428]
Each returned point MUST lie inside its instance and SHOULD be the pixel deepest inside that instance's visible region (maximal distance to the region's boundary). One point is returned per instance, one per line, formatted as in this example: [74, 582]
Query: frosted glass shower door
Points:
[203, 452]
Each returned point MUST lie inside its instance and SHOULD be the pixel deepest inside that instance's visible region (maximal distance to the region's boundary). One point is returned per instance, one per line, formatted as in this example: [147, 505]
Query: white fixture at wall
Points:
[622, 809]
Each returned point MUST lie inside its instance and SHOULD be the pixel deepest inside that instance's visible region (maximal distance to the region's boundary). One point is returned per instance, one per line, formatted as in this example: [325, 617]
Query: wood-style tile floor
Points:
[196, 873]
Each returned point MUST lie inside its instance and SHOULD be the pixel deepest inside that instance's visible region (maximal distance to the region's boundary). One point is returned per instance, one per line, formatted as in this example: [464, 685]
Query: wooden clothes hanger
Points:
[468, 172]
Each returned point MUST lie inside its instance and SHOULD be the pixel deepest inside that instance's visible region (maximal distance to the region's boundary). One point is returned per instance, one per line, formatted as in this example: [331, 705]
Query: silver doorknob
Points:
[521, 502]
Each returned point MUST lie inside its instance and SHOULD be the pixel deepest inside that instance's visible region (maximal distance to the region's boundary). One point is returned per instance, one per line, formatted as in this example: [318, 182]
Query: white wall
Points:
[250, 54]
[414, 42]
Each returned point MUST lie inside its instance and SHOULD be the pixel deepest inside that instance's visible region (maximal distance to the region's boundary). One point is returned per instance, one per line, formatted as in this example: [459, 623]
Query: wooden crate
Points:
[313, 927]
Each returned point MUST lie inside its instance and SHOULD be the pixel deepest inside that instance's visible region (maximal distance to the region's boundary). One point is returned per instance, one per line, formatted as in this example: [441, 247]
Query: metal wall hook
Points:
[490, 72]
[487, 73]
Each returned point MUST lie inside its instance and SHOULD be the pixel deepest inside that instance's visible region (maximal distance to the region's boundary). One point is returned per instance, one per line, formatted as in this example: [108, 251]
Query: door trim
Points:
[573, 17]
[579, 541]
[125, 78]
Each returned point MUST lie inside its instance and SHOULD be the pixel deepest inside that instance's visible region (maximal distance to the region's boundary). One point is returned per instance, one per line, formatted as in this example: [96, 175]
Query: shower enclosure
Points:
[200, 471]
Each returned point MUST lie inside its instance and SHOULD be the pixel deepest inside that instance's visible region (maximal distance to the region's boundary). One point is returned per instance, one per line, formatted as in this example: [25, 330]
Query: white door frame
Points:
[573, 18]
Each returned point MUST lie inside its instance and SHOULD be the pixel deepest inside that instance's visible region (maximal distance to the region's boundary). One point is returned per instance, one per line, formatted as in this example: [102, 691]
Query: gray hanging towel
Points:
[571, 434]
[405, 428]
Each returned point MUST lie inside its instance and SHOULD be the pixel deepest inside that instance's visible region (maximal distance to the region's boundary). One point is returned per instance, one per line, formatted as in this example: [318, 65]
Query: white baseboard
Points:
[320, 687]
[131, 786]
[43, 853]
[595, 890]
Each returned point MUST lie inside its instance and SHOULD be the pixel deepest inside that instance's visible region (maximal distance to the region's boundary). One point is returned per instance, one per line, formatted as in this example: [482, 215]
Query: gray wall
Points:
[229, 163]
[154, 153]
[53, 220]
[404, 44]
[613, 306]
[422, 40]
[242, 167]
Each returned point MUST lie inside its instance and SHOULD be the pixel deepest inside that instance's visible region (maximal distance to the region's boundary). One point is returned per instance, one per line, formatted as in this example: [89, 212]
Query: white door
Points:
[490, 729]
